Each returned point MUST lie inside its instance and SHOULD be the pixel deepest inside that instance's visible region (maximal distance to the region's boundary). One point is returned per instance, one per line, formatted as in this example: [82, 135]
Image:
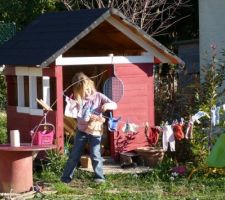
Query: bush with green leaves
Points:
[209, 94]
[2, 92]
[53, 165]
[3, 129]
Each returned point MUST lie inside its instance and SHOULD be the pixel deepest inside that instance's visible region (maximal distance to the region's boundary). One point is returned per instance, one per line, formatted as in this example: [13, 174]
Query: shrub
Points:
[2, 92]
[3, 129]
[55, 162]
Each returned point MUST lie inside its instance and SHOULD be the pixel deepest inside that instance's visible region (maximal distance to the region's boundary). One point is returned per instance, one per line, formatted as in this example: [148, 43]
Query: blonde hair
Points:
[80, 80]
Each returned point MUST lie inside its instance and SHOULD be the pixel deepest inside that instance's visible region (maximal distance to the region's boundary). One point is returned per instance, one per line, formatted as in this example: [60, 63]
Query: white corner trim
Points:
[28, 71]
[30, 111]
[103, 60]
[137, 39]
[46, 89]
[33, 91]
[20, 91]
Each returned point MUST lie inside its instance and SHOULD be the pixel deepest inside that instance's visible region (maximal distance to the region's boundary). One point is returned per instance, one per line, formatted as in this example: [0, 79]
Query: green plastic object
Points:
[216, 157]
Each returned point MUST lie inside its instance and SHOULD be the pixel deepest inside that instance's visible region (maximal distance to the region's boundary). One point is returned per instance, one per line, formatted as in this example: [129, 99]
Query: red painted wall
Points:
[136, 106]
[25, 122]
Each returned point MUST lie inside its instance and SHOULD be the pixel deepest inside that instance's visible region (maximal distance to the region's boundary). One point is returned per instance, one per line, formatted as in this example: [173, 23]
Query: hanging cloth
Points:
[71, 109]
[154, 135]
[113, 123]
[168, 138]
[178, 131]
[130, 127]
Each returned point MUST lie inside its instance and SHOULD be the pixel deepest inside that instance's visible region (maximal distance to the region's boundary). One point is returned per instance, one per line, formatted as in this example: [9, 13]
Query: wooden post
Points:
[59, 108]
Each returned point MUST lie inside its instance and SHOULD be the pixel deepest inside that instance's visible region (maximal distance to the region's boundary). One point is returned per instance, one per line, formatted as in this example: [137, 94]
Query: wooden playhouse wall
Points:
[24, 122]
[136, 106]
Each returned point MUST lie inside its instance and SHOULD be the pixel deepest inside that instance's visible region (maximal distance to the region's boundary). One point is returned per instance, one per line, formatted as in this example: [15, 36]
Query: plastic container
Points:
[45, 136]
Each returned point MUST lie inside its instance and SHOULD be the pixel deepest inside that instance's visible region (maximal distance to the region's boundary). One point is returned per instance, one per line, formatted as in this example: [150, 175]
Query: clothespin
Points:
[44, 105]
[181, 120]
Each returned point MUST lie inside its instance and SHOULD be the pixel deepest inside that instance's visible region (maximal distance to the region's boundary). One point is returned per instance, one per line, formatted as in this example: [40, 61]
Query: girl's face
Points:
[87, 89]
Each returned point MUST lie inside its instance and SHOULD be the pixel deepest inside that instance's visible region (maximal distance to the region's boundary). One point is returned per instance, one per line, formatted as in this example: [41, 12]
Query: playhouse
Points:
[41, 60]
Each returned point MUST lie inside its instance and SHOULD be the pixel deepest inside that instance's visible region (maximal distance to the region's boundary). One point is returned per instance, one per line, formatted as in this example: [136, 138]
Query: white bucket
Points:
[15, 138]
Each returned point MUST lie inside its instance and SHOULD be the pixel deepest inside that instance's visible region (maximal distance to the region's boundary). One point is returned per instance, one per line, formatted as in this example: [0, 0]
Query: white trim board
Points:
[101, 60]
[38, 112]
[20, 91]
[28, 71]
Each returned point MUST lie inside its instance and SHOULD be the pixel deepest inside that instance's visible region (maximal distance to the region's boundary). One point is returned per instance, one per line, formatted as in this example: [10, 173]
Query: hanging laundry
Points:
[130, 127]
[154, 135]
[71, 109]
[213, 115]
[189, 130]
[194, 118]
[199, 115]
[223, 107]
[113, 123]
[217, 115]
[178, 131]
[168, 138]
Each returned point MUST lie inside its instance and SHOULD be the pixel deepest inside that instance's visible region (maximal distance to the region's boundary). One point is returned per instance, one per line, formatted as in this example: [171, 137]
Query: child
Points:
[89, 105]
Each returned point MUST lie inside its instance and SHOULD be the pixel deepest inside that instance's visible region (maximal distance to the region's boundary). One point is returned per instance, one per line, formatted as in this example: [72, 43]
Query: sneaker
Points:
[98, 180]
[65, 180]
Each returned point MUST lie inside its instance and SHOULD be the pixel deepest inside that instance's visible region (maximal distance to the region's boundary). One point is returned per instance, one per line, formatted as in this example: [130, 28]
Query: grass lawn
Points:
[156, 184]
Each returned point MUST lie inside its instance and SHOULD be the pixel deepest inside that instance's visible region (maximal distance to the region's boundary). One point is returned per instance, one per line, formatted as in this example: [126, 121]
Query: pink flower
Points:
[213, 46]
[181, 170]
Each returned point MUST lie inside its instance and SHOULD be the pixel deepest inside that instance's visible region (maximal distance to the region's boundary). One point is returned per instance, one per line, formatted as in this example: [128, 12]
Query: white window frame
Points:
[33, 74]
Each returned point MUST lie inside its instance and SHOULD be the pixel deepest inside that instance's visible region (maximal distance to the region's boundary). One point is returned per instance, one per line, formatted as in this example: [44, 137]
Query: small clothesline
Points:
[124, 122]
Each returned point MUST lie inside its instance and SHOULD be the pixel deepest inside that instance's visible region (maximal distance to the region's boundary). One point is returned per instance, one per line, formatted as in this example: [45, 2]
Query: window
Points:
[31, 85]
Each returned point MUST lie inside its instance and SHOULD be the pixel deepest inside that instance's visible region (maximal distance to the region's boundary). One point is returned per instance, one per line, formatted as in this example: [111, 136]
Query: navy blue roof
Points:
[45, 37]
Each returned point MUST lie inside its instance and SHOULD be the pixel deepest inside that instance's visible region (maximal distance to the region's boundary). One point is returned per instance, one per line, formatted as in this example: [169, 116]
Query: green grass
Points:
[152, 185]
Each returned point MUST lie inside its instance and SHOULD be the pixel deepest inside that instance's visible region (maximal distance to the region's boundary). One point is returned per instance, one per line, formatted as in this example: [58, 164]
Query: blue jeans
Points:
[80, 140]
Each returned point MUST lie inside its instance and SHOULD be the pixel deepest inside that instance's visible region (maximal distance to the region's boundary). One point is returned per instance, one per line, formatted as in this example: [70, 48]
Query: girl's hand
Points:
[109, 106]
[105, 107]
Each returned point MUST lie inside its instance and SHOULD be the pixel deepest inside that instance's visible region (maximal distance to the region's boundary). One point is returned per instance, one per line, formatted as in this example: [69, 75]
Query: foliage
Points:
[170, 101]
[7, 31]
[213, 73]
[22, 12]
[209, 94]
[54, 164]
[3, 130]
[2, 92]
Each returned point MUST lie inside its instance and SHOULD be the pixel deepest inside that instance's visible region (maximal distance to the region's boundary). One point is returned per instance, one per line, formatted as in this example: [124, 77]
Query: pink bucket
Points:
[43, 137]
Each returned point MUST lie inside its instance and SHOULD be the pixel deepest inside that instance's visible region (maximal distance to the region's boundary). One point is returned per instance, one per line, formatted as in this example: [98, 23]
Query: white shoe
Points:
[98, 180]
